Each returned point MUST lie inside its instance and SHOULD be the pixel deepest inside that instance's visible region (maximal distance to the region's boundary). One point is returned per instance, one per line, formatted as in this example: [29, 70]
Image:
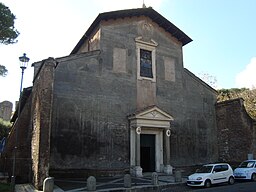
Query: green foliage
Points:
[4, 128]
[8, 33]
[5, 187]
[248, 95]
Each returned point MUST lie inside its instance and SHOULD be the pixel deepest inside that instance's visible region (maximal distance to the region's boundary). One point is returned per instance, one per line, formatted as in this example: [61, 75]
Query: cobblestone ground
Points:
[178, 188]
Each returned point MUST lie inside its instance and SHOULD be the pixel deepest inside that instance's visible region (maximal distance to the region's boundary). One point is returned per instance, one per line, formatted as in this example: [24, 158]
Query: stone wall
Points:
[194, 140]
[90, 127]
[236, 131]
[21, 127]
[94, 92]
[180, 93]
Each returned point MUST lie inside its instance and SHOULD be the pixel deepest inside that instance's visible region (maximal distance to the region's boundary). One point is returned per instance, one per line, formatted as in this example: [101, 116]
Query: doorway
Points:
[147, 152]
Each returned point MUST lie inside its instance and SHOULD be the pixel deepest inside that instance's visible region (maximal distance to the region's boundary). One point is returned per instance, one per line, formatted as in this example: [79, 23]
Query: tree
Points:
[3, 71]
[4, 128]
[209, 79]
[248, 95]
[8, 33]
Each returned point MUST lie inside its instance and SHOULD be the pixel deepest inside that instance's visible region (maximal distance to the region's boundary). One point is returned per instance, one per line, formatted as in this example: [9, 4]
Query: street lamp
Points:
[23, 65]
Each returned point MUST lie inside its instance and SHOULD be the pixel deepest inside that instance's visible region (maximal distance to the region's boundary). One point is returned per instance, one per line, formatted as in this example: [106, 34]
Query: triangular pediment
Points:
[151, 42]
[153, 113]
[151, 117]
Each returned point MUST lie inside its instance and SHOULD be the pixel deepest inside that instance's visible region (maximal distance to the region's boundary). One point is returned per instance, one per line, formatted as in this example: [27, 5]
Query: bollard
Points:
[154, 178]
[178, 176]
[48, 184]
[91, 183]
[127, 181]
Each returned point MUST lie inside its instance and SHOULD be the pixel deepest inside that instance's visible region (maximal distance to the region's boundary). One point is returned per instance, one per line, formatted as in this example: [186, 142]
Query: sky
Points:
[223, 33]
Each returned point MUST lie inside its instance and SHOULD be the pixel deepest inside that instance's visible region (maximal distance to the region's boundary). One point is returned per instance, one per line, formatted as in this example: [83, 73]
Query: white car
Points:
[212, 174]
[246, 170]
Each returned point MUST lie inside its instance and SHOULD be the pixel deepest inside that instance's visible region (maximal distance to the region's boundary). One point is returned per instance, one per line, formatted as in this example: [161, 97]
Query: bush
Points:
[4, 128]
[5, 187]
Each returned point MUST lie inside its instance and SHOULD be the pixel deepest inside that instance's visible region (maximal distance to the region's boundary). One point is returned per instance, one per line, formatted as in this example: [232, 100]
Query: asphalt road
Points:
[237, 187]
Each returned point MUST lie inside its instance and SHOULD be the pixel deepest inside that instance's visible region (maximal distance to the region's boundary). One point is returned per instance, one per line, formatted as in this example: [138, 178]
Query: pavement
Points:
[115, 183]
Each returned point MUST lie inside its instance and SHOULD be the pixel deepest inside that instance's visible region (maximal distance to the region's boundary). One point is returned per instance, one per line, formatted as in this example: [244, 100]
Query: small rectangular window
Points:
[146, 59]
[146, 63]
[224, 167]
[217, 168]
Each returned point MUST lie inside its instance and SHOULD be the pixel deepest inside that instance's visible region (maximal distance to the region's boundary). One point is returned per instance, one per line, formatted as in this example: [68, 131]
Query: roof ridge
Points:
[135, 12]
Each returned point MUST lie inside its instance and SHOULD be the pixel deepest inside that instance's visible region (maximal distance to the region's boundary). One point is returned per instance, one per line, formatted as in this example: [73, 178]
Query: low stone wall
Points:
[21, 127]
[80, 173]
[236, 131]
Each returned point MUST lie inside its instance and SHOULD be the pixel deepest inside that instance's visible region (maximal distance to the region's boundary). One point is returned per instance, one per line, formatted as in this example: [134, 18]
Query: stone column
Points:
[137, 144]
[167, 166]
[138, 169]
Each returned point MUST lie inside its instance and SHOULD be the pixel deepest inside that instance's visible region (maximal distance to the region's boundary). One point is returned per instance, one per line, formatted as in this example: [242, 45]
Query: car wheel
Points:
[231, 180]
[253, 177]
[207, 183]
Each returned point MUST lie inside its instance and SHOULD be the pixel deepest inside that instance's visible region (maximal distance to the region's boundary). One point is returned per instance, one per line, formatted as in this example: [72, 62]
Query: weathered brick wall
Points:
[41, 115]
[21, 127]
[90, 129]
[236, 133]
[93, 96]
[182, 95]
[194, 141]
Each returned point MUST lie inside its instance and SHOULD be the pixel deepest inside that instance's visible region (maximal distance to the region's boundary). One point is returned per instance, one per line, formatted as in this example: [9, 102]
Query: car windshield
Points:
[205, 169]
[247, 164]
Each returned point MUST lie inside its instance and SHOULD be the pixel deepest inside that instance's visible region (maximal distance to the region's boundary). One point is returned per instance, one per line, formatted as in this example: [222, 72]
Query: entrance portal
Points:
[147, 152]
[147, 131]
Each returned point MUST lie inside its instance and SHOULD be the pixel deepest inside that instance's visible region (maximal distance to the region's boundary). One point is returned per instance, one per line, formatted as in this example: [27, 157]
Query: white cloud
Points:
[247, 77]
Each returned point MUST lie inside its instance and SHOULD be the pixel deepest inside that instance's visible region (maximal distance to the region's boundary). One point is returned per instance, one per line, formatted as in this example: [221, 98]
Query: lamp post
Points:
[23, 65]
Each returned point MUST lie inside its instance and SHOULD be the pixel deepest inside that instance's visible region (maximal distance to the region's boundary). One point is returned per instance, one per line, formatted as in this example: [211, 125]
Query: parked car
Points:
[246, 170]
[212, 174]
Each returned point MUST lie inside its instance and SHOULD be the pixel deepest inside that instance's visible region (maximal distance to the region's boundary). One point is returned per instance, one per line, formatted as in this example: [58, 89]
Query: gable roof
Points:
[200, 81]
[149, 12]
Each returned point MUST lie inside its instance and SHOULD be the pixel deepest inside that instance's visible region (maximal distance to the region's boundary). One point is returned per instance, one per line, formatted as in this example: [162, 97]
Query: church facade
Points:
[121, 102]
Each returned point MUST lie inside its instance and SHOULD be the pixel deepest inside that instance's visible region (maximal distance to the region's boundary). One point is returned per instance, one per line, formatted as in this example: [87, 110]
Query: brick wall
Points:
[95, 91]
[236, 131]
[21, 127]
[41, 121]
